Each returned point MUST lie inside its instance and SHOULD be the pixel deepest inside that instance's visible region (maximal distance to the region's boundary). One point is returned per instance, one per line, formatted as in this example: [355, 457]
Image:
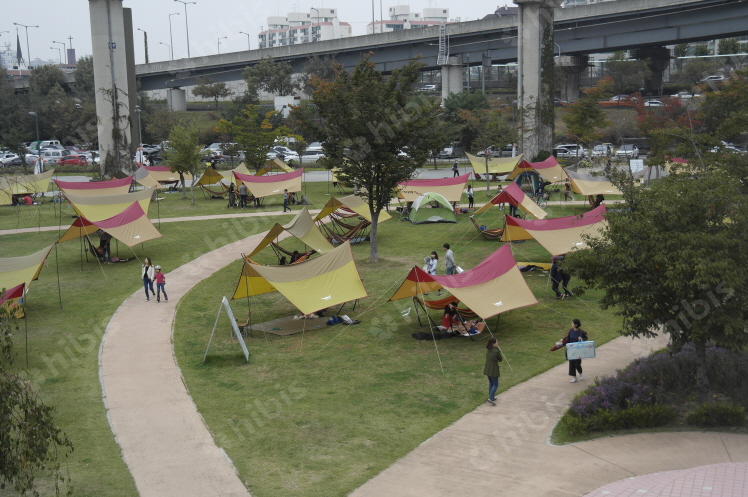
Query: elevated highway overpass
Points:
[596, 28]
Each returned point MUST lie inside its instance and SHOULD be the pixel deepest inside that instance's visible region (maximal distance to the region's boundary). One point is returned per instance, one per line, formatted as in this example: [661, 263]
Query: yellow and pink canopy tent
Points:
[319, 283]
[514, 195]
[229, 175]
[549, 169]
[558, 235]
[301, 227]
[496, 165]
[100, 207]
[155, 176]
[274, 165]
[494, 286]
[95, 188]
[30, 184]
[350, 204]
[591, 185]
[449, 188]
[264, 186]
[22, 270]
[12, 299]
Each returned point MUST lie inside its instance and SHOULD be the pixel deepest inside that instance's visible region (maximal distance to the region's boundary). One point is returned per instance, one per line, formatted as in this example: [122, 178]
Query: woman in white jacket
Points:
[147, 273]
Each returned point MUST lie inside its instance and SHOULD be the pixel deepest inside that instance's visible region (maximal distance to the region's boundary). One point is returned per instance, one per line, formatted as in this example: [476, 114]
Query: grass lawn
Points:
[318, 414]
[350, 401]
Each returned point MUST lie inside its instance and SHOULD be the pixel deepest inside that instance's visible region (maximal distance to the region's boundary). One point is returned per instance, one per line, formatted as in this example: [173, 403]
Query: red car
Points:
[73, 160]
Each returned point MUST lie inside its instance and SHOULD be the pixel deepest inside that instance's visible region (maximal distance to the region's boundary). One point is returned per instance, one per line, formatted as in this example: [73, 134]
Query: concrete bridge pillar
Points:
[535, 75]
[109, 47]
[573, 66]
[658, 59]
[452, 76]
[176, 98]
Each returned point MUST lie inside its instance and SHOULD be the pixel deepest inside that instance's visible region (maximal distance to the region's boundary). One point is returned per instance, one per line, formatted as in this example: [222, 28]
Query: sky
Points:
[208, 20]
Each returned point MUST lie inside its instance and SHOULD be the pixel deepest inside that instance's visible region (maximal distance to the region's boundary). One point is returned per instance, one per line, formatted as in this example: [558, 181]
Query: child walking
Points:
[160, 284]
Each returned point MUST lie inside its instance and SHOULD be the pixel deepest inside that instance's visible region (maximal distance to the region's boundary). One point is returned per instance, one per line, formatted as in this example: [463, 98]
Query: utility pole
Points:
[145, 44]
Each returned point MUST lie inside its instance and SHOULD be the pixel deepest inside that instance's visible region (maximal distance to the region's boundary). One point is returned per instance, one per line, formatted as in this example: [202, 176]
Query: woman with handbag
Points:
[576, 334]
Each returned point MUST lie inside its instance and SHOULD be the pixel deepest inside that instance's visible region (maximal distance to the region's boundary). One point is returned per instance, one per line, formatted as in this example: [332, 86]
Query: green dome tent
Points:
[432, 208]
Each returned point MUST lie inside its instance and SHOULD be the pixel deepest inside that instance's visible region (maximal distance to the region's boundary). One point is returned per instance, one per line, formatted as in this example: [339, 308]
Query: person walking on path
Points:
[576, 334]
[147, 273]
[160, 285]
[243, 196]
[491, 369]
[449, 259]
[471, 200]
[285, 201]
[455, 169]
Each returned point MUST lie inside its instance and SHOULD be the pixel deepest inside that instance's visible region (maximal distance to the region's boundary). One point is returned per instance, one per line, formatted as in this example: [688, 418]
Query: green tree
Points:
[85, 87]
[684, 274]
[206, 88]
[724, 113]
[728, 46]
[44, 78]
[270, 76]
[254, 132]
[183, 155]
[30, 441]
[320, 67]
[157, 124]
[680, 50]
[366, 119]
[701, 50]
[628, 75]
[467, 100]
[585, 118]
[695, 70]
[466, 113]
[239, 103]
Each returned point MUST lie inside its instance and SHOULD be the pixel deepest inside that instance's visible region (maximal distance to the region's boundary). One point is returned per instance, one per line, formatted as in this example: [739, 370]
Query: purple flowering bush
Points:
[636, 396]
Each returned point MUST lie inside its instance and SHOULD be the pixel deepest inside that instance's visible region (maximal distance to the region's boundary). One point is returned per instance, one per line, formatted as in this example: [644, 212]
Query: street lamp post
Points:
[38, 145]
[171, 39]
[186, 24]
[59, 52]
[28, 54]
[312, 28]
[219, 42]
[249, 47]
[140, 137]
[166, 45]
[145, 44]
[63, 48]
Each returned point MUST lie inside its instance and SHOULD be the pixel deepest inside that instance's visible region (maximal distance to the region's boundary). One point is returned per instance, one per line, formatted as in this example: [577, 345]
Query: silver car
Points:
[628, 151]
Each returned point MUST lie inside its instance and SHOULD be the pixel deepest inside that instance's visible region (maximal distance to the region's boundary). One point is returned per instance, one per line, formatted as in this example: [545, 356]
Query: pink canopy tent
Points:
[449, 188]
[96, 187]
[264, 186]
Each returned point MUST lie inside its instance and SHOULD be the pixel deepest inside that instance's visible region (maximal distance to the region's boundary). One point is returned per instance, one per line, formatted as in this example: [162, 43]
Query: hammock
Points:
[488, 235]
[356, 234]
[215, 193]
[280, 250]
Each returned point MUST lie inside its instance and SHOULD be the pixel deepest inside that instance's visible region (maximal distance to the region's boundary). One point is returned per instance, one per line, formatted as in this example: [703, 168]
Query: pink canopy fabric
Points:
[263, 186]
[513, 195]
[449, 188]
[131, 226]
[92, 188]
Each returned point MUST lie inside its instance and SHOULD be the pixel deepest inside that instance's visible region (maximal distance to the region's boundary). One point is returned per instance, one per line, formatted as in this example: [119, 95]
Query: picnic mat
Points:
[289, 326]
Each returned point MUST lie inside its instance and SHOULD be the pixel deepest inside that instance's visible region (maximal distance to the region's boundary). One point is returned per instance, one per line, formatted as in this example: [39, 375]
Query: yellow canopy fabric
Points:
[21, 185]
[352, 202]
[229, 175]
[549, 169]
[80, 227]
[497, 165]
[315, 284]
[130, 226]
[143, 177]
[274, 165]
[102, 207]
[264, 186]
[449, 188]
[210, 177]
[302, 227]
[591, 185]
[24, 269]
[90, 188]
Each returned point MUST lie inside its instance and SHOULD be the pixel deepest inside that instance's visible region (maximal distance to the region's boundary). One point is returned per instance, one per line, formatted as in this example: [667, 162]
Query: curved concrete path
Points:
[165, 443]
[503, 450]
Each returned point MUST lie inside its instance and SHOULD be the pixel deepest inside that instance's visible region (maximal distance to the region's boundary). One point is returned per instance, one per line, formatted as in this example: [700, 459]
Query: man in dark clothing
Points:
[455, 169]
[558, 276]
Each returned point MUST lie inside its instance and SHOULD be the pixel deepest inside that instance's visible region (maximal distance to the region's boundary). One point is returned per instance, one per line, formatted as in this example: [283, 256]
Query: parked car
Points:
[73, 160]
[506, 151]
[653, 103]
[619, 98]
[628, 151]
[7, 157]
[283, 153]
[15, 162]
[685, 95]
[446, 153]
[313, 147]
[52, 156]
[603, 150]
[557, 102]
[427, 88]
[573, 149]
[313, 155]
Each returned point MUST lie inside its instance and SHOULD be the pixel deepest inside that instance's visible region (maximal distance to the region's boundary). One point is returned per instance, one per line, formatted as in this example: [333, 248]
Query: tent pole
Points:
[26, 323]
[57, 265]
[81, 244]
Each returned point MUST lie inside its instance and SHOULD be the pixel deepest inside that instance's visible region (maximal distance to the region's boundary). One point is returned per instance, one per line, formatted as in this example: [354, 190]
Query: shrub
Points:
[611, 394]
[640, 416]
[719, 414]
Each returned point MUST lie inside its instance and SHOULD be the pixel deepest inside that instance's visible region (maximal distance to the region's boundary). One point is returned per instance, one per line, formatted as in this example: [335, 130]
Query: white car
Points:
[653, 103]
[283, 153]
[573, 149]
[628, 151]
[313, 155]
[427, 88]
[603, 150]
[684, 95]
[8, 157]
[714, 77]
[313, 147]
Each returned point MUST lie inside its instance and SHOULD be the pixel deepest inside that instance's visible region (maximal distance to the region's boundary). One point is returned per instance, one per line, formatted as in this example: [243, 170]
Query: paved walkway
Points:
[503, 450]
[165, 443]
